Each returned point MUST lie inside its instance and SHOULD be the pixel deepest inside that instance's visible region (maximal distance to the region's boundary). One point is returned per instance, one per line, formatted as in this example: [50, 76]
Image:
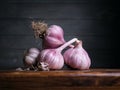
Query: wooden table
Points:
[93, 79]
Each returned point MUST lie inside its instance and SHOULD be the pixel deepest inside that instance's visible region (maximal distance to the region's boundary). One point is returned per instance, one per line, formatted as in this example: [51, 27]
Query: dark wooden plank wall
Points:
[96, 22]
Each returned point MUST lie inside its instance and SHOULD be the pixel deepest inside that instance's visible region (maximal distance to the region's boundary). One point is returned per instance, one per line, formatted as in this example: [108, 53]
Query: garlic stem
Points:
[67, 44]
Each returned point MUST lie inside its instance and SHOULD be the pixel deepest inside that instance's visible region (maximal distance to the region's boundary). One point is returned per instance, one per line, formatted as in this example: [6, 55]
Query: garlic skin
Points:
[53, 57]
[43, 66]
[54, 37]
[77, 57]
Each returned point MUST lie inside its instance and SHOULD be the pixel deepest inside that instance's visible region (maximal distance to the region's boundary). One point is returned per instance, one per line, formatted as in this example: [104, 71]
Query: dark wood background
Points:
[95, 22]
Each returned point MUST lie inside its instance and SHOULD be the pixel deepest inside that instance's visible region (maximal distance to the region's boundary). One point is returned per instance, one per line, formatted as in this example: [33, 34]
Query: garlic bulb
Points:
[77, 57]
[54, 37]
[54, 57]
[31, 56]
[29, 60]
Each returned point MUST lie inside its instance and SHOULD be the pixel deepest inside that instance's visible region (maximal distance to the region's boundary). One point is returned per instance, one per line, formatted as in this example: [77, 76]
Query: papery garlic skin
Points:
[77, 57]
[54, 37]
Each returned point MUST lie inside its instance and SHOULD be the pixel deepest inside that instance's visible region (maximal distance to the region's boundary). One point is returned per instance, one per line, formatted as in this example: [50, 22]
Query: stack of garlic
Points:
[54, 42]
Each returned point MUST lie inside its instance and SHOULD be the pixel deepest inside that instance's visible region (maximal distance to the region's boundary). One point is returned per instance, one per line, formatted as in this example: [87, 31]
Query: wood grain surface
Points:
[100, 79]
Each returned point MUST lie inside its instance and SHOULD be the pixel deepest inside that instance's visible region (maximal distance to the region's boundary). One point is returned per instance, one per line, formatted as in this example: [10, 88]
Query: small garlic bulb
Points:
[29, 60]
[31, 56]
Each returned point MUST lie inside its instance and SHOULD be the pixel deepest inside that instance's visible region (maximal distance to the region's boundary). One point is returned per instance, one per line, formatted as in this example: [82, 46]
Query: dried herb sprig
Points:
[39, 29]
